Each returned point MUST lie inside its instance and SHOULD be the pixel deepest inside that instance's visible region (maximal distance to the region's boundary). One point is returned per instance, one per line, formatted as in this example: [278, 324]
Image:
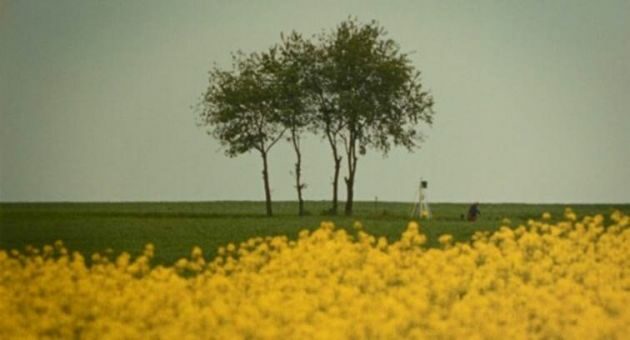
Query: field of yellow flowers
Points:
[564, 279]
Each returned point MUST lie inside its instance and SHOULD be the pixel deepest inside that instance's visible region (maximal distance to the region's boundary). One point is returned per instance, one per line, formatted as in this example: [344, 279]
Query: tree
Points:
[371, 95]
[240, 110]
[354, 87]
[289, 67]
[327, 118]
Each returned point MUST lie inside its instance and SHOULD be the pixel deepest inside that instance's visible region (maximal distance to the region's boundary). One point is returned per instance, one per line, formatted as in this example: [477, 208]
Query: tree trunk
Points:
[335, 200]
[350, 196]
[352, 167]
[337, 159]
[299, 186]
[298, 172]
[267, 188]
[349, 191]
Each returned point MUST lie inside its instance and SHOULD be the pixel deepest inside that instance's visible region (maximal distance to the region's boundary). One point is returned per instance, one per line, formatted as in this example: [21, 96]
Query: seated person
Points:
[473, 212]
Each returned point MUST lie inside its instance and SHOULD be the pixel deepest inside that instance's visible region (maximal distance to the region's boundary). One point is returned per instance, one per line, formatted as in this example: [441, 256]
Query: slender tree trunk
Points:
[352, 167]
[350, 196]
[337, 159]
[335, 201]
[265, 173]
[298, 171]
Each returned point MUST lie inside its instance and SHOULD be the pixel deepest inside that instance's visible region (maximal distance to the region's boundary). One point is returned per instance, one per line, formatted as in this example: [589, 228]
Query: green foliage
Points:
[371, 89]
[290, 67]
[238, 106]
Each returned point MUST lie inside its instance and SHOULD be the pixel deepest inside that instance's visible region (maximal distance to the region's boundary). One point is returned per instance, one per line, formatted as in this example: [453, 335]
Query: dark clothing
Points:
[473, 211]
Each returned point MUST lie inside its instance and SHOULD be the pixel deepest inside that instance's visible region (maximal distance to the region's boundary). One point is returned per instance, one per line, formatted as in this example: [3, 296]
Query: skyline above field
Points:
[530, 98]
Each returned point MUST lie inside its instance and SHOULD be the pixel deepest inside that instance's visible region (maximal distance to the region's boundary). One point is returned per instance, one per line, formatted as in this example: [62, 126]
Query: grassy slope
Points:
[175, 228]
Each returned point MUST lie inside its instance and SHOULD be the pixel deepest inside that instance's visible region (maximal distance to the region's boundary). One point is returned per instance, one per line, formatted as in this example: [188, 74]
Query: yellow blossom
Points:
[567, 279]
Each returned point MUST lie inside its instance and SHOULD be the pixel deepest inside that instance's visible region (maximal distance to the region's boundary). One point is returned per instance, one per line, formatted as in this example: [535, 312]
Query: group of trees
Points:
[351, 86]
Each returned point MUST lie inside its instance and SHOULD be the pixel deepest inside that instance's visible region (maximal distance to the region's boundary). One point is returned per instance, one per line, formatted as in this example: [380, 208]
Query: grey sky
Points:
[532, 100]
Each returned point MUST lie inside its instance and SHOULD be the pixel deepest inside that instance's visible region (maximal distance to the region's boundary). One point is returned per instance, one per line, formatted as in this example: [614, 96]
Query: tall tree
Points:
[373, 94]
[240, 110]
[289, 68]
[327, 118]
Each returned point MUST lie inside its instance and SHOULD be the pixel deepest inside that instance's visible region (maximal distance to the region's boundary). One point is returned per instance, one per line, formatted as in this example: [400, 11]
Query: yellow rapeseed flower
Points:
[541, 280]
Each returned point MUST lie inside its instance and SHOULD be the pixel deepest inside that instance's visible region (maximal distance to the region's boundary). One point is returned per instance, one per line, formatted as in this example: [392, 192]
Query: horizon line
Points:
[306, 201]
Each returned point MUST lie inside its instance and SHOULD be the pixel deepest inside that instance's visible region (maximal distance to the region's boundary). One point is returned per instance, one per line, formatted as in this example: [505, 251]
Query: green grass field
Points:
[175, 228]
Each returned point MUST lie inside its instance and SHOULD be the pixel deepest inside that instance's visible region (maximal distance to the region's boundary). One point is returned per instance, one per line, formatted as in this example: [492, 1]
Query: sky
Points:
[97, 100]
